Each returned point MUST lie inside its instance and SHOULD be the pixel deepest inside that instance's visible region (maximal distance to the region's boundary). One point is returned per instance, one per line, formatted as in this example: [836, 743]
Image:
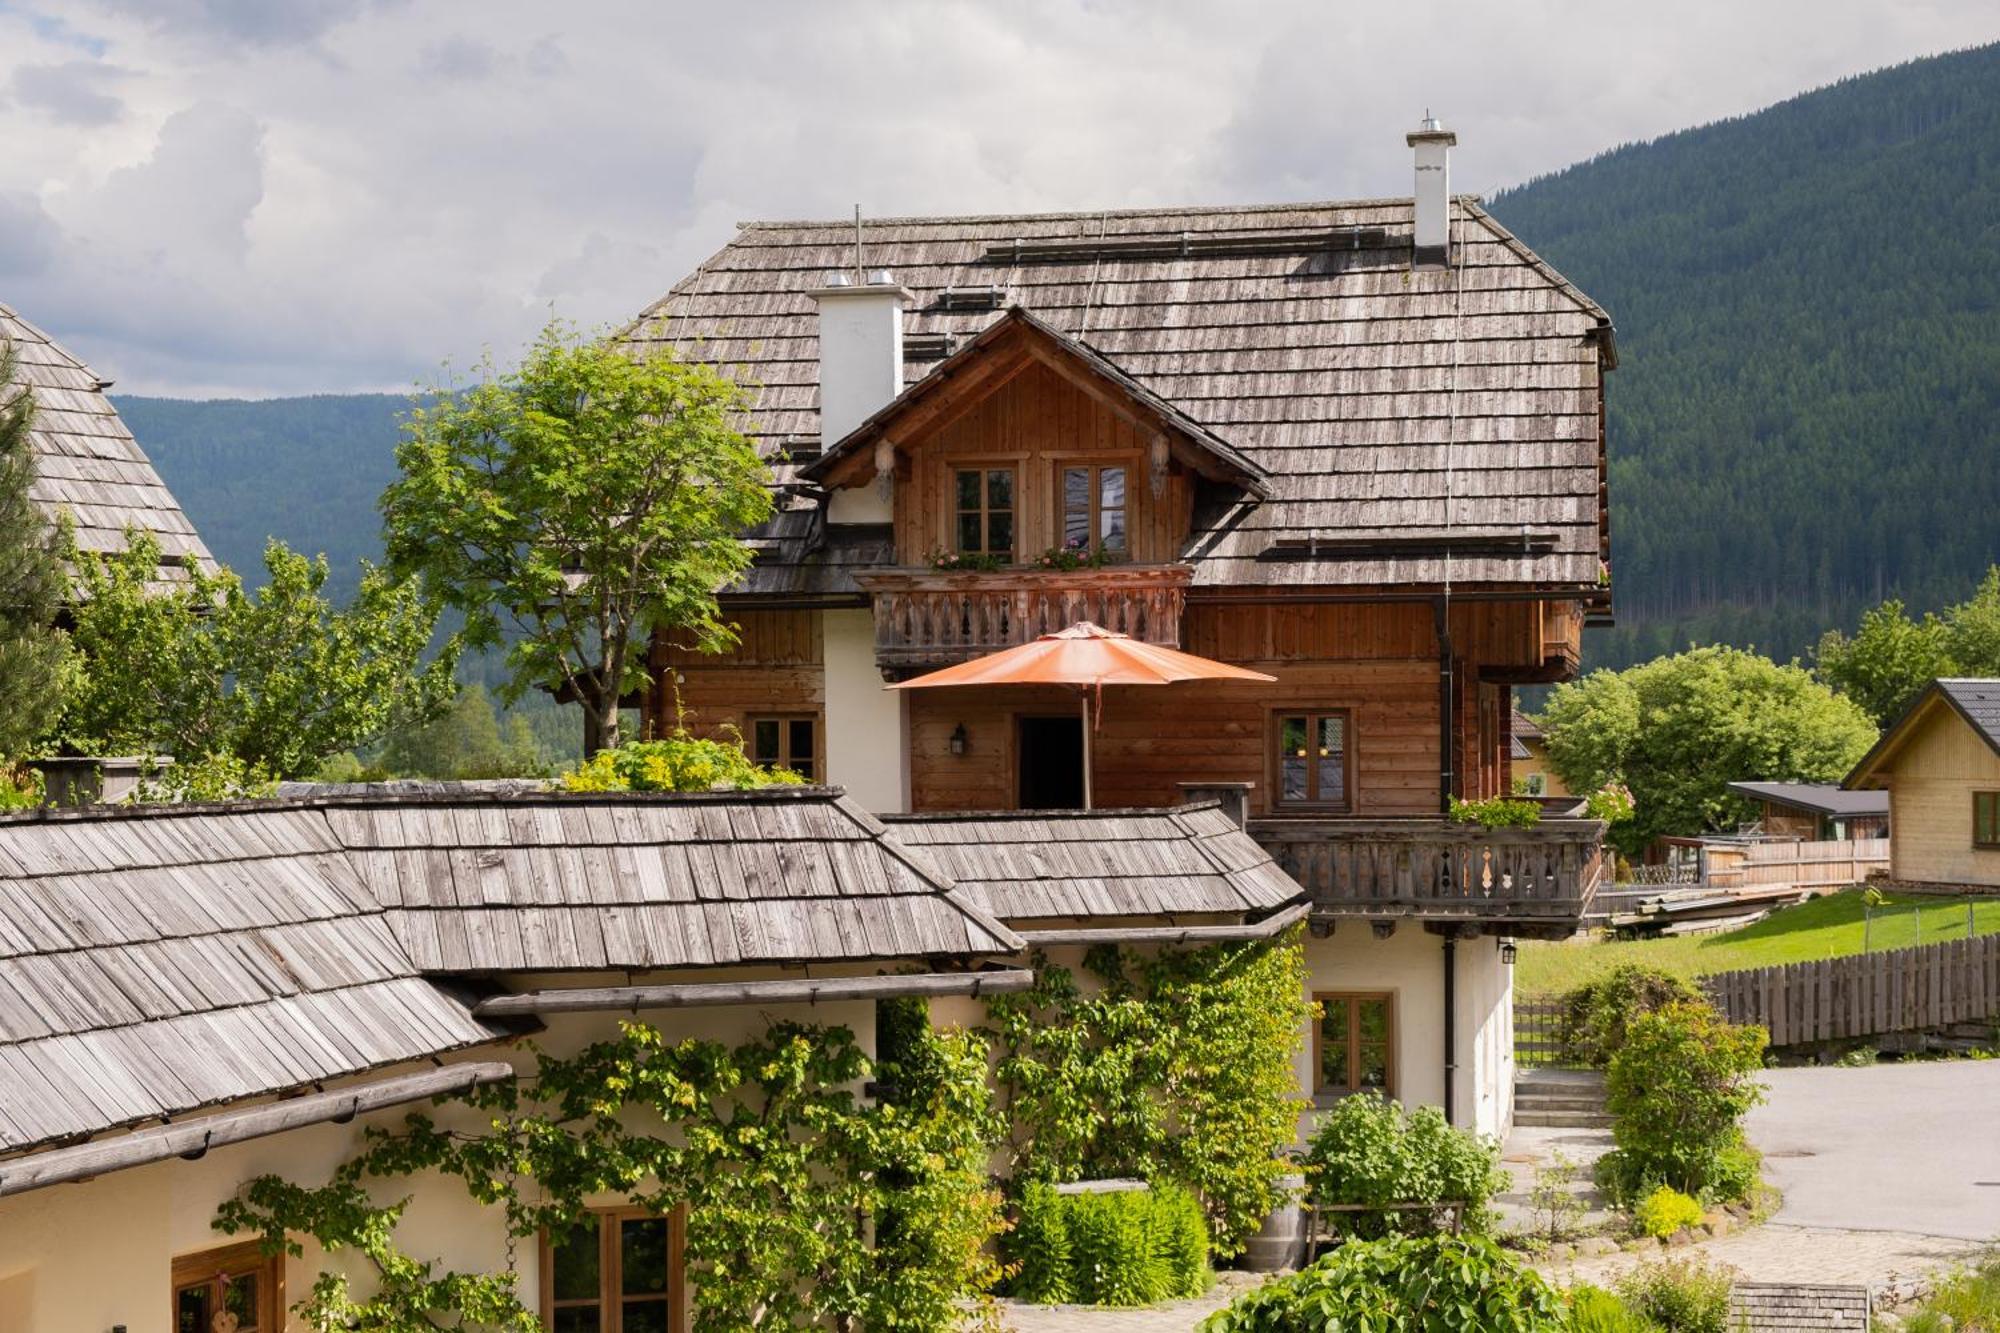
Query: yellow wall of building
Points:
[1931, 780]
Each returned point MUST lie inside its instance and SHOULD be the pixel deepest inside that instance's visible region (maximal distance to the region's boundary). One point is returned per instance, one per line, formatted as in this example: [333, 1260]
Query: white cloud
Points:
[239, 196]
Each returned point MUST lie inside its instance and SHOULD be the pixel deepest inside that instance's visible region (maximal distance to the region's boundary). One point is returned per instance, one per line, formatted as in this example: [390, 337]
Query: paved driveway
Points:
[1902, 1147]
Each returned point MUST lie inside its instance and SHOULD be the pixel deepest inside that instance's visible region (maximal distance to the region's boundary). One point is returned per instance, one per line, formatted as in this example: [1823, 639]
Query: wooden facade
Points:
[776, 669]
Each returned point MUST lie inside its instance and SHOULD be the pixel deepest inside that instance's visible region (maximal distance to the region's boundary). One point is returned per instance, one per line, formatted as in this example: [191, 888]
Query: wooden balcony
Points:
[932, 618]
[1531, 881]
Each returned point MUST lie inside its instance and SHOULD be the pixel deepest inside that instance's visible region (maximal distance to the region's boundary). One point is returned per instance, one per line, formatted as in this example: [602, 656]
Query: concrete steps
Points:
[1560, 1099]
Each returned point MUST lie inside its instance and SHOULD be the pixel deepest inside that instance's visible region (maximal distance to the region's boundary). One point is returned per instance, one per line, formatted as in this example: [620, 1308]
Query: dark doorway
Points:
[1051, 763]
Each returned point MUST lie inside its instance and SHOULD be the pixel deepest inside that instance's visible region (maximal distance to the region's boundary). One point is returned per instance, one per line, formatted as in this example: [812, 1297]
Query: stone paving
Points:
[1776, 1252]
[1171, 1318]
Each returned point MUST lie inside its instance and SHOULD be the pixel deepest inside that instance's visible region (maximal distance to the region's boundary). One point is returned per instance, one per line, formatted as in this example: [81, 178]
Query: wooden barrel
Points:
[1281, 1242]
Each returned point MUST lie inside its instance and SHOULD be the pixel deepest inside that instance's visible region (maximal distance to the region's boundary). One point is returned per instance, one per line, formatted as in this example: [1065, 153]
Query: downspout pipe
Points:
[1447, 707]
[1450, 1028]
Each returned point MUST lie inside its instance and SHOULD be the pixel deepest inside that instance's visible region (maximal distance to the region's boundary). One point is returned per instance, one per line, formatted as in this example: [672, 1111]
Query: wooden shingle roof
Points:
[782, 875]
[87, 464]
[159, 959]
[1415, 425]
[1050, 864]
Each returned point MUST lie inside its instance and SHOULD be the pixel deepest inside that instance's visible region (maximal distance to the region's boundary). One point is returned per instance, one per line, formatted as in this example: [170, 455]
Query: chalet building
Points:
[87, 464]
[1816, 811]
[1940, 765]
[1357, 446]
[1533, 774]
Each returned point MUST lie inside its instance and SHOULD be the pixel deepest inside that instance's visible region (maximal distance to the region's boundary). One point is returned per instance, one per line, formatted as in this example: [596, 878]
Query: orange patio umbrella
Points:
[1088, 657]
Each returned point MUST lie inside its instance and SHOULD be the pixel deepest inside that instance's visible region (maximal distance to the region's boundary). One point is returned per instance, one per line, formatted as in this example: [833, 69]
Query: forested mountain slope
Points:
[1807, 414]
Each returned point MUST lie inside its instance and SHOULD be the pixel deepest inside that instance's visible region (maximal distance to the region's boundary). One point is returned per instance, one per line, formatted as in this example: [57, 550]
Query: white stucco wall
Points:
[867, 726]
[86, 1257]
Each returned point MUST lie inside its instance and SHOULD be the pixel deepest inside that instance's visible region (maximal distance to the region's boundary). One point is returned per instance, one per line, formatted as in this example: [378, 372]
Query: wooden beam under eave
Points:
[692, 995]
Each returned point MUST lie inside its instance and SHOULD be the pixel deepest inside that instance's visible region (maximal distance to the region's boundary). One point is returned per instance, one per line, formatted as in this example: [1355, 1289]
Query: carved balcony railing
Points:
[1540, 879]
[929, 618]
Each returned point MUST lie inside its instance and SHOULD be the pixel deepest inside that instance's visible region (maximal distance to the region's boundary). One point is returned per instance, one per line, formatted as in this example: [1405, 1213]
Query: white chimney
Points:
[1433, 231]
[860, 370]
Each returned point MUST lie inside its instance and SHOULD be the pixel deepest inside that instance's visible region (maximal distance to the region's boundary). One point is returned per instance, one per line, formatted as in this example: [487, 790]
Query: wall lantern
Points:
[958, 739]
[1507, 952]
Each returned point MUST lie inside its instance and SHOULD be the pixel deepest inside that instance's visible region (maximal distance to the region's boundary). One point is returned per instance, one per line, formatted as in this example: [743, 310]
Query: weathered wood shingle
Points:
[87, 464]
[1069, 864]
[1384, 401]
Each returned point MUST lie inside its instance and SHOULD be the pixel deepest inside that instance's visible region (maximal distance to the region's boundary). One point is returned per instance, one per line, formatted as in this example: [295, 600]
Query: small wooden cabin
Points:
[1940, 765]
[1816, 811]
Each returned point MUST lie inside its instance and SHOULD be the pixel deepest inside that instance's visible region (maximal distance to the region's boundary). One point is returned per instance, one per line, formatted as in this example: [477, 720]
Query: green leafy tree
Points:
[1891, 657]
[1678, 730]
[574, 506]
[272, 683]
[33, 653]
[466, 742]
[1678, 1090]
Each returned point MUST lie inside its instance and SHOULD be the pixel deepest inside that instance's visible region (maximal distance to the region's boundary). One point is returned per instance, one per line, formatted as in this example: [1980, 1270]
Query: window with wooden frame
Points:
[1354, 1046]
[238, 1283]
[616, 1270]
[1093, 509]
[1313, 754]
[787, 742]
[1986, 819]
[984, 499]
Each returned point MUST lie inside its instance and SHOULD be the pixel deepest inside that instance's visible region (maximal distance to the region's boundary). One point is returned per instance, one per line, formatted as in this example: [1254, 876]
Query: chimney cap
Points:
[838, 279]
[881, 277]
[1431, 130]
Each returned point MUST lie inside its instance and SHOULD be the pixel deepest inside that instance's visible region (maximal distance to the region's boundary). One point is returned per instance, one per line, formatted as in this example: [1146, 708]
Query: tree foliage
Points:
[272, 683]
[33, 654]
[1677, 730]
[1808, 394]
[575, 505]
[1178, 1067]
[785, 1172]
[466, 741]
[1891, 657]
[681, 762]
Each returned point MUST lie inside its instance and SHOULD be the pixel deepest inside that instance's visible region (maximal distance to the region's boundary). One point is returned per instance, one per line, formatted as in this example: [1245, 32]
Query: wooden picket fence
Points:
[1867, 995]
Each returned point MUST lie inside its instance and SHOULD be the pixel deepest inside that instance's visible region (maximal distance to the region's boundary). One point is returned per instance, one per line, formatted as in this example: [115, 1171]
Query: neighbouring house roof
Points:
[1414, 425]
[1525, 727]
[156, 960]
[1975, 700]
[86, 463]
[1048, 864]
[1819, 797]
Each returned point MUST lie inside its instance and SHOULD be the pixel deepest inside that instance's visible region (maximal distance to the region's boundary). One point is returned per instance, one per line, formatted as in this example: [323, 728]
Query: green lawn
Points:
[1828, 927]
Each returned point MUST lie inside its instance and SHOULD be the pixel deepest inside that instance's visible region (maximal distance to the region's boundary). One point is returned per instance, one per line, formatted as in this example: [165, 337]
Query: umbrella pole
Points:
[1084, 696]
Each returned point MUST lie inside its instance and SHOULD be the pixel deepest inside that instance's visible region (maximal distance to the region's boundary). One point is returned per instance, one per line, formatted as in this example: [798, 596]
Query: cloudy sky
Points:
[257, 197]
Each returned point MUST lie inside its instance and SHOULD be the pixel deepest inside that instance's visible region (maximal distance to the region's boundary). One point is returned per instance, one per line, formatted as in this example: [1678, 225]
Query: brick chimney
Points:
[1433, 143]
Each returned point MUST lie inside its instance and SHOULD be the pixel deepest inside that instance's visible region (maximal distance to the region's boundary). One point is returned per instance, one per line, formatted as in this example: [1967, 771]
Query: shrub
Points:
[1678, 1090]
[682, 762]
[1367, 1150]
[1496, 812]
[1684, 1297]
[1664, 1211]
[1126, 1247]
[1595, 1014]
[1556, 1208]
[1402, 1284]
[1965, 1301]
[1595, 1310]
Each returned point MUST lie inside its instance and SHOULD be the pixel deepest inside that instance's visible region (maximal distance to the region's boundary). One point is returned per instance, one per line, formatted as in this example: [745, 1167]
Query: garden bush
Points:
[1403, 1284]
[1966, 1301]
[1684, 1297]
[1678, 1090]
[1595, 1014]
[1595, 1310]
[1664, 1211]
[1367, 1150]
[1123, 1247]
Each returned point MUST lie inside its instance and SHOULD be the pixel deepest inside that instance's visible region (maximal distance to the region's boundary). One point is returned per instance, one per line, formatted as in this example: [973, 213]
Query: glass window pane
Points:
[1372, 1016]
[1374, 1068]
[999, 533]
[1111, 528]
[1076, 489]
[240, 1299]
[1333, 1064]
[968, 490]
[1111, 487]
[801, 738]
[575, 1263]
[1333, 1019]
[1292, 736]
[1292, 768]
[645, 1317]
[1076, 529]
[1000, 489]
[968, 533]
[643, 1256]
[577, 1319]
[764, 742]
[192, 1309]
